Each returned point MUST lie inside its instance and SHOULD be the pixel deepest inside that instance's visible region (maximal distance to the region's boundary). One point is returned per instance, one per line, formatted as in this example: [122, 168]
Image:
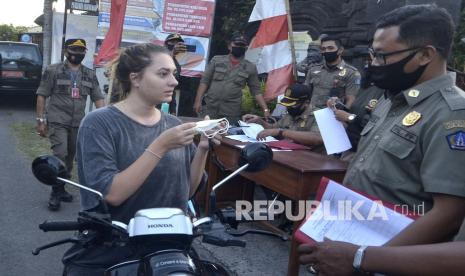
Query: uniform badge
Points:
[411, 118]
[413, 93]
[456, 140]
[343, 72]
[372, 103]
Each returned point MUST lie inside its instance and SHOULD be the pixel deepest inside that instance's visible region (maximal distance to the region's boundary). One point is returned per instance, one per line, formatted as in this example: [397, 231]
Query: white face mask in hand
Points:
[210, 128]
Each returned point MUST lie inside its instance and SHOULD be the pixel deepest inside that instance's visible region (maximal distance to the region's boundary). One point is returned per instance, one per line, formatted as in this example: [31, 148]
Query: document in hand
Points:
[345, 215]
[332, 131]
[251, 130]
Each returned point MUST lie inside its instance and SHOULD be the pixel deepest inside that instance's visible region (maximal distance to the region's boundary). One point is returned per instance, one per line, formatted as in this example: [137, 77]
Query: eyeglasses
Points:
[381, 57]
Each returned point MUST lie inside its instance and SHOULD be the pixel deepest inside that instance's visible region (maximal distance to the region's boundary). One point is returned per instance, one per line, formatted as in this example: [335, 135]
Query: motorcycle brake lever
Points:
[52, 244]
[236, 233]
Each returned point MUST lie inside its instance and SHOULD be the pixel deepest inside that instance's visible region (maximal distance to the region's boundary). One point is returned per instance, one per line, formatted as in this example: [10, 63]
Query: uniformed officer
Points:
[175, 43]
[67, 86]
[298, 124]
[313, 58]
[333, 78]
[412, 150]
[223, 81]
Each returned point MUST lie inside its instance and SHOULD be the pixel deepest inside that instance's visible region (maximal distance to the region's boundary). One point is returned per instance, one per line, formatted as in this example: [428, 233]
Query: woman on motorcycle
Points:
[135, 155]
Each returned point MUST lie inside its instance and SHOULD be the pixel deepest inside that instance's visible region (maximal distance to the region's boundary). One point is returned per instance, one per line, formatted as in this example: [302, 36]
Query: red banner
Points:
[188, 17]
[110, 45]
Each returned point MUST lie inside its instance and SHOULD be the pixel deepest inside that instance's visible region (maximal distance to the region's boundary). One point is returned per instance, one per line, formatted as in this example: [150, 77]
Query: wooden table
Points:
[294, 174]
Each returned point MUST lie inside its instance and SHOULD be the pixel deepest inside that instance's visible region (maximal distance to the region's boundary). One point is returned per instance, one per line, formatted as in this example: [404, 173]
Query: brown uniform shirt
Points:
[56, 83]
[303, 122]
[413, 146]
[340, 80]
[225, 83]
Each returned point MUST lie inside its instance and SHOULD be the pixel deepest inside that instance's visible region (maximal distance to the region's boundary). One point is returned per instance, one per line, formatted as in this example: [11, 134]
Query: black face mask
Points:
[392, 76]
[238, 51]
[75, 58]
[330, 56]
[366, 80]
[296, 110]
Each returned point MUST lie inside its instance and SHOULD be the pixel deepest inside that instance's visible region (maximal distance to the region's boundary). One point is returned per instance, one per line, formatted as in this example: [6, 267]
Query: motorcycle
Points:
[162, 237]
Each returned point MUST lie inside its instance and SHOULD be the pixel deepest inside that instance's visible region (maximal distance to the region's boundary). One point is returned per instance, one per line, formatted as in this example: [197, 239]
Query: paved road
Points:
[23, 205]
[23, 202]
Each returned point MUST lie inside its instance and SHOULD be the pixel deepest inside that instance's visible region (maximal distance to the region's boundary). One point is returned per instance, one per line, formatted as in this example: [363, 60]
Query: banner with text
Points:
[153, 20]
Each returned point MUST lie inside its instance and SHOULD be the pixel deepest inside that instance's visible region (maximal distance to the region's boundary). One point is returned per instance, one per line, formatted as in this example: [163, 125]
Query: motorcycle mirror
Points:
[50, 170]
[47, 169]
[257, 155]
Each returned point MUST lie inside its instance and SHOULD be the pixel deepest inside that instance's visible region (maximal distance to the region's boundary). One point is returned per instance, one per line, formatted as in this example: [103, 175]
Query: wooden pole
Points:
[291, 39]
[65, 21]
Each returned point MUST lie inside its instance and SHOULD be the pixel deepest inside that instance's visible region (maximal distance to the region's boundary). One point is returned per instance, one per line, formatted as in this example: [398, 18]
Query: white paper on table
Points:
[251, 130]
[334, 226]
[242, 146]
[332, 131]
[246, 139]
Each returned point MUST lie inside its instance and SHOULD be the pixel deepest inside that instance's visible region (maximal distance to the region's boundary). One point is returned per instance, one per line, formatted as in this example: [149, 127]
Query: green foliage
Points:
[30, 144]
[250, 106]
[459, 46]
[10, 32]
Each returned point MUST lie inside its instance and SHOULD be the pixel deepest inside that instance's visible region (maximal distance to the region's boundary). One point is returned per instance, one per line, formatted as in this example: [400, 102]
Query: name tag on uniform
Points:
[75, 93]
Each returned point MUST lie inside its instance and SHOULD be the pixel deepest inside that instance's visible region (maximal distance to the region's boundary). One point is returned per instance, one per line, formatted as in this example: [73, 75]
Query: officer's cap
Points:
[75, 42]
[295, 94]
[174, 37]
[239, 40]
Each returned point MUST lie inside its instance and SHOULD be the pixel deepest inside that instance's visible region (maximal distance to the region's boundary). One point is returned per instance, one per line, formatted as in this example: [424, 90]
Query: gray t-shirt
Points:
[109, 142]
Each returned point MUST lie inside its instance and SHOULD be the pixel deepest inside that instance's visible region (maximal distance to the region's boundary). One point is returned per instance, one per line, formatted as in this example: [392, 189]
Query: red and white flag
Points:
[110, 45]
[272, 43]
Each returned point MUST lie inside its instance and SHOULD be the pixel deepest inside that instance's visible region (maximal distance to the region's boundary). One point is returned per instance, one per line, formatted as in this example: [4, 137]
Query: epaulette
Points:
[454, 97]
[351, 67]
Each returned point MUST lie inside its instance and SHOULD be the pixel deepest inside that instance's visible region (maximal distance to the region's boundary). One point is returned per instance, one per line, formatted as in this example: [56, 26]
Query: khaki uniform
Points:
[64, 113]
[413, 145]
[224, 95]
[341, 80]
[304, 122]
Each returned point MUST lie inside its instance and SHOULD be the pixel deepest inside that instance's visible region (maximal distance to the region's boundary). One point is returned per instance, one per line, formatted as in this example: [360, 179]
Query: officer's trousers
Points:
[63, 142]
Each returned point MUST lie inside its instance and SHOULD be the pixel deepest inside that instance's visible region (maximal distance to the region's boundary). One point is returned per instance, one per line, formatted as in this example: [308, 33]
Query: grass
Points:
[31, 144]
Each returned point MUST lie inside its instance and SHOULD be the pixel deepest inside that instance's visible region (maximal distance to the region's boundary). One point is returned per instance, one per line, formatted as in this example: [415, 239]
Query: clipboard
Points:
[287, 145]
[403, 220]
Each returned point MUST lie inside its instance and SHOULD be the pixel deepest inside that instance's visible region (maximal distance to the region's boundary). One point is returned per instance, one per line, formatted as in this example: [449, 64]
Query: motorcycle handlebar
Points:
[61, 226]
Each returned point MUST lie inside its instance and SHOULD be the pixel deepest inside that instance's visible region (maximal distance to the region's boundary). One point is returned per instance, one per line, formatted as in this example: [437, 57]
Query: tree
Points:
[10, 32]
[47, 30]
[459, 45]
[230, 16]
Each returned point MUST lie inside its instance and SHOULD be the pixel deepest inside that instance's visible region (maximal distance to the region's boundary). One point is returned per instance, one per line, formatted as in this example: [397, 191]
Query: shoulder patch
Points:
[456, 140]
[454, 97]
